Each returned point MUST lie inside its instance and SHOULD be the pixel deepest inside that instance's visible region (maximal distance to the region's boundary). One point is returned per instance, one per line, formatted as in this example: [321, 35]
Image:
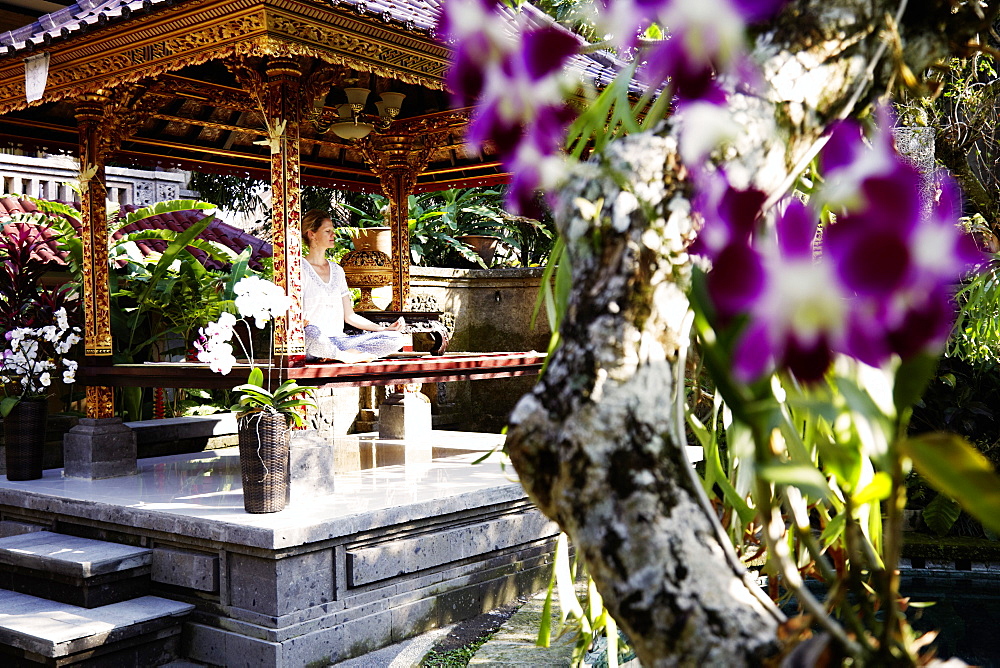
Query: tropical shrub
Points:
[41, 324]
[158, 300]
[437, 219]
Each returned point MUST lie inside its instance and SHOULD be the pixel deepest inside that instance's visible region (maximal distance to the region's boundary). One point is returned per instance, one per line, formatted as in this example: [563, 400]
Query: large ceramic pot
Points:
[369, 265]
[24, 437]
[484, 245]
[264, 439]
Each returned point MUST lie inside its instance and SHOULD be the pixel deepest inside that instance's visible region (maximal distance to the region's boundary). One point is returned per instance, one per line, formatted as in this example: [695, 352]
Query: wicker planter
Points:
[24, 436]
[264, 439]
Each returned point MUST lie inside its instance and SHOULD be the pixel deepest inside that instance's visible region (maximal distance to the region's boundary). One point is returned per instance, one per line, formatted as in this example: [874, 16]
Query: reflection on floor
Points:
[370, 475]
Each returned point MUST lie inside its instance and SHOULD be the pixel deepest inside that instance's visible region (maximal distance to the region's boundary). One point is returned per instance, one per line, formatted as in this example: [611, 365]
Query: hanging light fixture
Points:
[354, 123]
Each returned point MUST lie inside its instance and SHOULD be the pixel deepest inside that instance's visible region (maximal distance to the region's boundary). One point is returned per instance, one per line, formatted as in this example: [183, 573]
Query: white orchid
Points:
[34, 355]
[261, 300]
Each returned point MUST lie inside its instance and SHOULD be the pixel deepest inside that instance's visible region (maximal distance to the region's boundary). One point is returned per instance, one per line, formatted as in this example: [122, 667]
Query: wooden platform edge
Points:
[420, 369]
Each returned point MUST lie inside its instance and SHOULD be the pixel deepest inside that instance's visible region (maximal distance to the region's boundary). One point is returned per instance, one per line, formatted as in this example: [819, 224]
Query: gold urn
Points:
[369, 265]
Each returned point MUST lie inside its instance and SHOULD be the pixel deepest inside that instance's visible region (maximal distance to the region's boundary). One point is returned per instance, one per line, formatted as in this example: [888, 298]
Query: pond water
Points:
[966, 612]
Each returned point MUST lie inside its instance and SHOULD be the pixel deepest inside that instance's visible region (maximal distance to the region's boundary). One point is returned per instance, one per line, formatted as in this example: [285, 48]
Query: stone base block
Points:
[311, 466]
[99, 448]
[73, 570]
[16, 528]
[405, 415]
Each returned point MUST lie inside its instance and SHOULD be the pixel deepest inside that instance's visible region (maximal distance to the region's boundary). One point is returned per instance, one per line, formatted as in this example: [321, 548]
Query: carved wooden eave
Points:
[198, 116]
[199, 31]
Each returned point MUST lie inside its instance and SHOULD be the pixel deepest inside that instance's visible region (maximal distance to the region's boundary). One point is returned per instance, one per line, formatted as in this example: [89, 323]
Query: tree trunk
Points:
[599, 443]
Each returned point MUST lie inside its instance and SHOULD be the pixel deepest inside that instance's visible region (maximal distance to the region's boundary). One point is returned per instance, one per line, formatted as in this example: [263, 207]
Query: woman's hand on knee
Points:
[398, 325]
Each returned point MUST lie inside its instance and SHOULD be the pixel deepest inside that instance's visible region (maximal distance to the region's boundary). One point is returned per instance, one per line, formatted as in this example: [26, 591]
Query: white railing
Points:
[47, 178]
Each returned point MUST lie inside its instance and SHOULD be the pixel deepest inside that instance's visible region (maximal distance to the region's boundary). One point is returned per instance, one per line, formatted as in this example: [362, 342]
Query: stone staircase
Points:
[69, 601]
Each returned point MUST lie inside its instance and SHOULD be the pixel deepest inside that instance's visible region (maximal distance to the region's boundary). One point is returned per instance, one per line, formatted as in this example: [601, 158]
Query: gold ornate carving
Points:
[397, 159]
[279, 89]
[367, 269]
[247, 71]
[445, 121]
[172, 48]
[84, 70]
[90, 114]
[100, 402]
[197, 31]
[387, 58]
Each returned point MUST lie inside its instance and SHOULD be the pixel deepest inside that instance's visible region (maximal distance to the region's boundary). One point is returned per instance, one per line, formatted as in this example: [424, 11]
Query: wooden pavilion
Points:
[284, 90]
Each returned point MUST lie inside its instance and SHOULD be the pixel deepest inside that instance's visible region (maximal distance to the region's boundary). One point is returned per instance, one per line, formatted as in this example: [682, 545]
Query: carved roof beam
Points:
[173, 106]
[217, 95]
[198, 123]
[205, 122]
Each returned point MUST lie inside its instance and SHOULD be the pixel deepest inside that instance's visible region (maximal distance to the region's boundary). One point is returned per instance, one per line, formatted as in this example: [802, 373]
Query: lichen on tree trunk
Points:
[597, 443]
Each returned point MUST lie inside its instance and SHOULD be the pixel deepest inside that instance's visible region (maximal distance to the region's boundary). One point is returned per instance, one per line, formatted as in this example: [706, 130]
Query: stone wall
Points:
[492, 309]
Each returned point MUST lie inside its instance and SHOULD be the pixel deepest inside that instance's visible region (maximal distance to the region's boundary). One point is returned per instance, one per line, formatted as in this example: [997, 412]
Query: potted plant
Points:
[39, 334]
[264, 416]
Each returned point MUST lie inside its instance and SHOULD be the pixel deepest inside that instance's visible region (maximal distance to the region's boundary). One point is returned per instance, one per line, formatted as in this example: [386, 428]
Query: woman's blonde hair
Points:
[312, 221]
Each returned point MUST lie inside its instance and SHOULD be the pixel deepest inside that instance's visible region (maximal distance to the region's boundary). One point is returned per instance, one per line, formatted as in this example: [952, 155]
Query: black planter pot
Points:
[24, 438]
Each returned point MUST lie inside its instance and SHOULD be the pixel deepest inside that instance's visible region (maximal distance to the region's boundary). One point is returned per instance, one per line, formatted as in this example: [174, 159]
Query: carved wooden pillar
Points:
[89, 113]
[397, 160]
[283, 114]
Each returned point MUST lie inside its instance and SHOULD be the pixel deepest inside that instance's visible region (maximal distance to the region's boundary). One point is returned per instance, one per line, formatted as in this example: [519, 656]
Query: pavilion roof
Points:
[172, 60]
[83, 16]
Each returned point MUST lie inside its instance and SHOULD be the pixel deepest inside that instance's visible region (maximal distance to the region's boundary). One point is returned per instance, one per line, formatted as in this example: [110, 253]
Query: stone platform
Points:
[414, 536]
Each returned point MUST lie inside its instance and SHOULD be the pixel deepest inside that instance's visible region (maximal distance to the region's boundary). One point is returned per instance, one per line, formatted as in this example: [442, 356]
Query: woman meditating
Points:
[327, 304]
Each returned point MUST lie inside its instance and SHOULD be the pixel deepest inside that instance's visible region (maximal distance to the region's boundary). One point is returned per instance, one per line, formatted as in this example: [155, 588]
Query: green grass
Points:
[455, 658]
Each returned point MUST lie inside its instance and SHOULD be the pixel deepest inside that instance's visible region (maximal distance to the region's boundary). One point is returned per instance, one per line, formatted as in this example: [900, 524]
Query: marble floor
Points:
[373, 478]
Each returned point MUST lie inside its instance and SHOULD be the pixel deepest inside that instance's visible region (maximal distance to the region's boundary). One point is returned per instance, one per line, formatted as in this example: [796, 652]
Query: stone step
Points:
[142, 632]
[73, 570]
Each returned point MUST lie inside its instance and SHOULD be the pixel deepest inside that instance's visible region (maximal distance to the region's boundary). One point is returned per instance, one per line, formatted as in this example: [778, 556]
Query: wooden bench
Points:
[398, 369]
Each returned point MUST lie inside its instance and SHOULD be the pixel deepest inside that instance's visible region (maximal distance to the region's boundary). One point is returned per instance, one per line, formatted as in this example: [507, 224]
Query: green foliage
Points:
[288, 397]
[957, 469]
[576, 15]
[456, 658]
[437, 219]
[159, 300]
[975, 337]
[963, 397]
[239, 193]
[433, 228]
[941, 514]
[589, 621]
[830, 457]
[171, 293]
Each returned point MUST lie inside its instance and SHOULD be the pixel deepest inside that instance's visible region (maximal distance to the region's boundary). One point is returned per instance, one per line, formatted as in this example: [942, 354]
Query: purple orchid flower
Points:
[878, 283]
[796, 307]
[729, 214]
[518, 80]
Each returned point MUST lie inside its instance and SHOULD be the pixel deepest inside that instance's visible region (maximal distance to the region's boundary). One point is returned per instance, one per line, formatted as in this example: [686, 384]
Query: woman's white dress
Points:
[323, 313]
